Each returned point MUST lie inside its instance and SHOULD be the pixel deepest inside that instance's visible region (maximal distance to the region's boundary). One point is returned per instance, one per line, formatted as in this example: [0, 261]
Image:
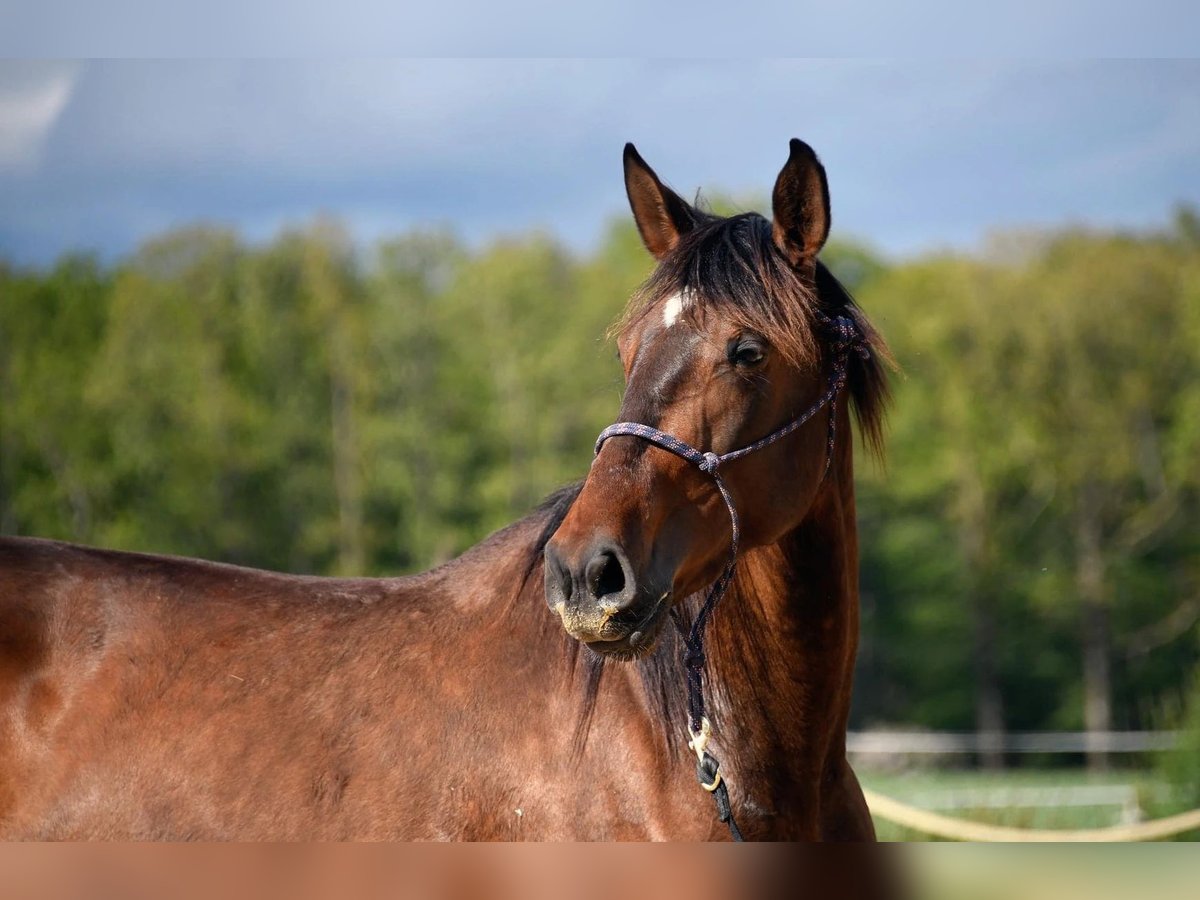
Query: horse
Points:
[535, 687]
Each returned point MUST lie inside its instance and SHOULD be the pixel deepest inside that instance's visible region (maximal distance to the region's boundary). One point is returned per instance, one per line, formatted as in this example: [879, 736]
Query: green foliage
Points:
[1178, 769]
[1042, 457]
[313, 407]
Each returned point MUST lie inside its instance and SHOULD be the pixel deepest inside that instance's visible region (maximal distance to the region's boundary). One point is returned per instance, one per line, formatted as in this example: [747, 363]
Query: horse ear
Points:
[662, 216]
[800, 204]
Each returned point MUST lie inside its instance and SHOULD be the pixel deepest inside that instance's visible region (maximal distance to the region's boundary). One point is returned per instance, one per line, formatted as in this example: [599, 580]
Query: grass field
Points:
[1044, 799]
[1052, 872]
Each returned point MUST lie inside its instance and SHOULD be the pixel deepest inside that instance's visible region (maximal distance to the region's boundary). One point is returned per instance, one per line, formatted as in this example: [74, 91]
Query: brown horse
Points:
[155, 697]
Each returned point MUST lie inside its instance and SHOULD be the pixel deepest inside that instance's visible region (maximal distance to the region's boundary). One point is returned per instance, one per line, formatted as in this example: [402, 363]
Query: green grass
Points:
[934, 789]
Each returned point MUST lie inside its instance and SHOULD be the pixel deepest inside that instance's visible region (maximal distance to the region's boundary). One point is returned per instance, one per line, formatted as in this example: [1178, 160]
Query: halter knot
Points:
[847, 336]
[710, 462]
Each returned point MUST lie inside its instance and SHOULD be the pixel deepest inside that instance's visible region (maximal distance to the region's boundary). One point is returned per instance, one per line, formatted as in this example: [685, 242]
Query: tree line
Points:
[1031, 549]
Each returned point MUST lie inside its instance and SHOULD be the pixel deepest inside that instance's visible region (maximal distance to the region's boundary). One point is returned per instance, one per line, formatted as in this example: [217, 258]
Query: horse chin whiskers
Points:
[638, 647]
[632, 654]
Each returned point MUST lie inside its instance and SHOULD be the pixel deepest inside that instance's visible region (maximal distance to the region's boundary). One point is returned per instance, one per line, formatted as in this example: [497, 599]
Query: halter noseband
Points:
[846, 337]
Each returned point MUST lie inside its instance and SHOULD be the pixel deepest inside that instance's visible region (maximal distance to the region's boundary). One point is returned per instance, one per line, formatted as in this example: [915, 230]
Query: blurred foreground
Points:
[474, 872]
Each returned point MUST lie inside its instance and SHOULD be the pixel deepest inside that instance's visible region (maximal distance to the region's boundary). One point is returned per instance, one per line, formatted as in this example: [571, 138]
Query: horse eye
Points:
[746, 353]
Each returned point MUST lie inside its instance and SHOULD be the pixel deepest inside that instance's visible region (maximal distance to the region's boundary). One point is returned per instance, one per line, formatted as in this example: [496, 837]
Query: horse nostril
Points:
[558, 579]
[605, 575]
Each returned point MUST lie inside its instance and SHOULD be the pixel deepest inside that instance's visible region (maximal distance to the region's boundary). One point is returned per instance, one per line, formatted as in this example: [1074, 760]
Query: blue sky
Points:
[101, 155]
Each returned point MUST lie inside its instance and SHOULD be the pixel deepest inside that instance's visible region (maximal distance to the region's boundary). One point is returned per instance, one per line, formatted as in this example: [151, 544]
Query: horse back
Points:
[126, 674]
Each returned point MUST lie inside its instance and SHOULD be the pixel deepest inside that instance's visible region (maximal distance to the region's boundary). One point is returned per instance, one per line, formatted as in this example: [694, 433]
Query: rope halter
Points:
[845, 338]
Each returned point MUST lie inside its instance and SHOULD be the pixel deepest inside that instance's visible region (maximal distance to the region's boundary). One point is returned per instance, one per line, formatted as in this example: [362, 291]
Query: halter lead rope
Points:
[846, 337]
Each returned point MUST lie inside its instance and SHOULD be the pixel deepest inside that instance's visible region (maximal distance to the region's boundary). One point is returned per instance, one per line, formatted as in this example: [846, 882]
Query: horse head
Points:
[722, 346]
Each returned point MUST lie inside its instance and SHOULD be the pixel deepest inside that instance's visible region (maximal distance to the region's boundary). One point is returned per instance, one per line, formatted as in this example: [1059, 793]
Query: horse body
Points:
[162, 698]
[155, 697]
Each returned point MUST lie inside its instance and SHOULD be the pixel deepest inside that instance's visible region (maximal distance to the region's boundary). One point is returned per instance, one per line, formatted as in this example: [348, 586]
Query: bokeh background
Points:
[348, 318]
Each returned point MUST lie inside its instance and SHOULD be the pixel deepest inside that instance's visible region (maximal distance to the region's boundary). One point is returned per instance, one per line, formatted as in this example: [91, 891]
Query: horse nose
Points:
[593, 588]
[608, 580]
[558, 580]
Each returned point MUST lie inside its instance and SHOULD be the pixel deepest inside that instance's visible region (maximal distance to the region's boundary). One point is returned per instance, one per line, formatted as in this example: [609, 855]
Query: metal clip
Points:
[700, 738]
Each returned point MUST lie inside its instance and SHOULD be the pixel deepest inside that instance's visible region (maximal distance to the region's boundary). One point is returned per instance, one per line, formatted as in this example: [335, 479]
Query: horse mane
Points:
[867, 379]
[729, 267]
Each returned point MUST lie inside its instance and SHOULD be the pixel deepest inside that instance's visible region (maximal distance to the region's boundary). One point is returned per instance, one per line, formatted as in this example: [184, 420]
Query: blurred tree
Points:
[162, 382]
[420, 422]
[52, 446]
[1107, 366]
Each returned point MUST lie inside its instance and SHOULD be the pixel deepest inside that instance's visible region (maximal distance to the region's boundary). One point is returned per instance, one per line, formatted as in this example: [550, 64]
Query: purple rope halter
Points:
[845, 338]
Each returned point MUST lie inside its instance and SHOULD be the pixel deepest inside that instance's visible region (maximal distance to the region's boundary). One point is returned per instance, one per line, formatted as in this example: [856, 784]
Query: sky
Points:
[99, 156]
[372, 28]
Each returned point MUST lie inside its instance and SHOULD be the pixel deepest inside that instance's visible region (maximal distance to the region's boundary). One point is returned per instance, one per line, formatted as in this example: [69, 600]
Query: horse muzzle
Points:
[599, 600]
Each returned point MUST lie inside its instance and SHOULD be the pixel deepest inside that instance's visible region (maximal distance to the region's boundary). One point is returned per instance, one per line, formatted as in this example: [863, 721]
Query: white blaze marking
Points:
[674, 307]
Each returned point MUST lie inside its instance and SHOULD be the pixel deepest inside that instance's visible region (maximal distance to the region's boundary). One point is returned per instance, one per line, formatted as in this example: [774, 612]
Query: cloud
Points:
[919, 154]
[322, 116]
[32, 97]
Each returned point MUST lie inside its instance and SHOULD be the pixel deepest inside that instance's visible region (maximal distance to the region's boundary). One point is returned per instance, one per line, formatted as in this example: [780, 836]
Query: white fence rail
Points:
[1123, 797]
[898, 743]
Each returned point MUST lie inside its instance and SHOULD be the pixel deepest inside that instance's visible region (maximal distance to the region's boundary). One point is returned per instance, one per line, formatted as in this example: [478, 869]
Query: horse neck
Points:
[783, 643]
